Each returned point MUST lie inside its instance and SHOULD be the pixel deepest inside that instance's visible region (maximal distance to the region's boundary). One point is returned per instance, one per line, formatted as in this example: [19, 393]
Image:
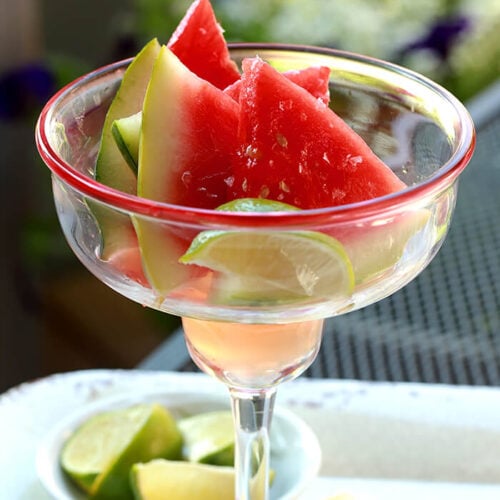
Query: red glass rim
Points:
[89, 187]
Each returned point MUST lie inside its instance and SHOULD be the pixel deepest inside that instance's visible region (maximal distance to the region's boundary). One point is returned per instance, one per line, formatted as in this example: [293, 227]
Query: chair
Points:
[443, 327]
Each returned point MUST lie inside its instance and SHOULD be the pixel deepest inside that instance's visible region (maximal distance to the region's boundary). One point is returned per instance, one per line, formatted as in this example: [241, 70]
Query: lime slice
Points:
[99, 454]
[160, 479]
[208, 438]
[272, 266]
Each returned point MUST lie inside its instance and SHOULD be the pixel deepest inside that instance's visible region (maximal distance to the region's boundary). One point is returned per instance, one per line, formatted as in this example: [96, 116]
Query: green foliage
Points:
[158, 18]
[379, 28]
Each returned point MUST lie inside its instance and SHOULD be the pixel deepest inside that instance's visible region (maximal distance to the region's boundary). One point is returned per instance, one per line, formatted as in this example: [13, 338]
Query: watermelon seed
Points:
[264, 192]
[282, 140]
[284, 186]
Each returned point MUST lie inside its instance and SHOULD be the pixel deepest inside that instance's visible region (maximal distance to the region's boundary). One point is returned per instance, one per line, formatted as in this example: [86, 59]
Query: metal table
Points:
[443, 327]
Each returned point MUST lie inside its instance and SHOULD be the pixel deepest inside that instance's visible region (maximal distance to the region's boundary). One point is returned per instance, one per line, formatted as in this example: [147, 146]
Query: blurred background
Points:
[55, 316]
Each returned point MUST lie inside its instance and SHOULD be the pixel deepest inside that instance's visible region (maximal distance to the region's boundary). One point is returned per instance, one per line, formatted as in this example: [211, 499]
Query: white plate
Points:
[380, 441]
[41, 415]
[380, 489]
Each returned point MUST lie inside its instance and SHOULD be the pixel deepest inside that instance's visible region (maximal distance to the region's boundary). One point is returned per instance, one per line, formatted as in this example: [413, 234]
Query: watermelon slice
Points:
[314, 79]
[188, 136]
[267, 135]
[296, 150]
[199, 43]
[111, 168]
[117, 231]
[126, 131]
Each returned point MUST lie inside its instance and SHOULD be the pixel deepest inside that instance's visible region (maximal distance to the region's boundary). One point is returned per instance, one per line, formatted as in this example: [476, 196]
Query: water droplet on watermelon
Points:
[321, 103]
[285, 105]
[351, 162]
[187, 178]
[252, 152]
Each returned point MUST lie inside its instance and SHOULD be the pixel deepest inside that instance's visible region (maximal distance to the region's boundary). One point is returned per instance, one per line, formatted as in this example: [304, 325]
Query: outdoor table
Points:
[378, 440]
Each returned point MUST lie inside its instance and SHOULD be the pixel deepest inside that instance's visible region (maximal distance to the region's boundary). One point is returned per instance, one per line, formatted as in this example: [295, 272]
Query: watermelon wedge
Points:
[203, 135]
[188, 136]
[111, 168]
[296, 150]
[314, 79]
[126, 131]
[117, 231]
[199, 43]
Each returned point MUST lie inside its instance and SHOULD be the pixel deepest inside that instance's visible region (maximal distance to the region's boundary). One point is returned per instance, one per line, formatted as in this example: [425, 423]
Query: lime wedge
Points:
[160, 479]
[272, 266]
[99, 454]
[208, 438]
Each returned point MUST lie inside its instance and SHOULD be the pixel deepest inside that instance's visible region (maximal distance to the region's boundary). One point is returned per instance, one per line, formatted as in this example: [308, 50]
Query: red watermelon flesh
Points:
[199, 43]
[296, 150]
[188, 139]
[315, 79]
[127, 260]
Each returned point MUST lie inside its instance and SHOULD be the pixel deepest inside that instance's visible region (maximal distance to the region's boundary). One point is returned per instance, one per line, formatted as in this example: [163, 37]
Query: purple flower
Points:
[24, 90]
[440, 37]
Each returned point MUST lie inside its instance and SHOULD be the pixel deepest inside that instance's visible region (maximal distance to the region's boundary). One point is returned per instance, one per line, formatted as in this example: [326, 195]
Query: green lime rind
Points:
[126, 133]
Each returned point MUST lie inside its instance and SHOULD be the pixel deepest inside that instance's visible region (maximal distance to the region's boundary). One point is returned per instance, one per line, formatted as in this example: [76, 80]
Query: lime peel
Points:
[272, 266]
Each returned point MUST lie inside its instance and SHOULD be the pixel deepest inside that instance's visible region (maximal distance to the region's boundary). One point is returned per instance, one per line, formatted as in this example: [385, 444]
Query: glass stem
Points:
[252, 412]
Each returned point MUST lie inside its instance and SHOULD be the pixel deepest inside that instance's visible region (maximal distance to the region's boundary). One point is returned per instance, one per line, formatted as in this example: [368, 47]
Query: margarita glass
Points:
[249, 341]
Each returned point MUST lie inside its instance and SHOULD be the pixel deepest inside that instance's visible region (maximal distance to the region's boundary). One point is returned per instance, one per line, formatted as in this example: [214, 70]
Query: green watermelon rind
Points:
[111, 169]
[126, 133]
